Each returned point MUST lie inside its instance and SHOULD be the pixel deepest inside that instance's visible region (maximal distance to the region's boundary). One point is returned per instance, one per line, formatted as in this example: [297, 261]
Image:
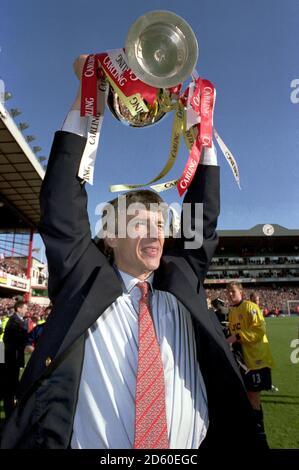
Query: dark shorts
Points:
[257, 380]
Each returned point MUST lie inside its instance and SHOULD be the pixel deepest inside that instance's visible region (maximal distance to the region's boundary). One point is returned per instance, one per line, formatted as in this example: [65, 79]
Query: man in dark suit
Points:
[14, 339]
[79, 387]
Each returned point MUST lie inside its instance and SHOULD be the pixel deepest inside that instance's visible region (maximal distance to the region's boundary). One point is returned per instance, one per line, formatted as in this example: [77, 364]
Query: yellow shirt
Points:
[4, 321]
[247, 320]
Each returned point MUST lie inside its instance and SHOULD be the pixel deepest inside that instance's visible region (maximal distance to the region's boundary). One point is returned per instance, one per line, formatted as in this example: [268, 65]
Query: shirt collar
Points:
[130, 281]
[19, 316]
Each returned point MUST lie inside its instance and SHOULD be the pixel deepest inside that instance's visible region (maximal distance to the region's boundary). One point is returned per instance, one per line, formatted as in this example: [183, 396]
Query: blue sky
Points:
[248, 49]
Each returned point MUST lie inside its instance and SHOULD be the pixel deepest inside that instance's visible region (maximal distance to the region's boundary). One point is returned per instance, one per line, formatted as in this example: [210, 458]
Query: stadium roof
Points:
[260, 240]
[261, 230]
[21, 176]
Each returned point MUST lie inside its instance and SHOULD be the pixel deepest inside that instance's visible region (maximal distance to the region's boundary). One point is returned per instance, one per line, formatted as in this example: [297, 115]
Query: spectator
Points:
[15, 336]
[3, 322]
[36, 332]
[255, 298]
[220, 310]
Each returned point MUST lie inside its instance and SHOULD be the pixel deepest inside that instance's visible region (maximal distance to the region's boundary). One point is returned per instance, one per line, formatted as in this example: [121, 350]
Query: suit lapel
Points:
[177, 277]
[107, 283]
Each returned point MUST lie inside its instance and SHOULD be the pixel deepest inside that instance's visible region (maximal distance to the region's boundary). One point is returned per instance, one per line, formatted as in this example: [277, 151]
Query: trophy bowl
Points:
[161, 48]
[142, 119]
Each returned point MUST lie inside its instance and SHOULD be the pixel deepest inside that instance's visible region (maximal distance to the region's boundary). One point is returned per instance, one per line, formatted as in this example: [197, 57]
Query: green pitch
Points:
[281, 409]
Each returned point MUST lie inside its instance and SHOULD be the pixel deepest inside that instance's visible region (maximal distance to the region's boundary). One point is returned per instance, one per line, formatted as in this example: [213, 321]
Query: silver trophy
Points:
[162, 51]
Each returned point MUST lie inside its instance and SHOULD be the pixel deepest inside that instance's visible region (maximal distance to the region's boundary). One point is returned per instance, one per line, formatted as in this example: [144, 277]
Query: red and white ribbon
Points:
[203, 103]
[89, 87]
[94, 126]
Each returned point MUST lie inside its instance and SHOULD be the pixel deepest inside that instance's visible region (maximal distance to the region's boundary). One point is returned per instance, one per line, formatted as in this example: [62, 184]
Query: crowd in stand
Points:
[270, 273]
[261, 261]
[272, 301]
[281, 267]
[34, 310]
[11, 268]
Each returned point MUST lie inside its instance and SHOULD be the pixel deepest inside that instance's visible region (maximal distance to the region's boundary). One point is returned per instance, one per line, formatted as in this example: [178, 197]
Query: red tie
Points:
[150, 418]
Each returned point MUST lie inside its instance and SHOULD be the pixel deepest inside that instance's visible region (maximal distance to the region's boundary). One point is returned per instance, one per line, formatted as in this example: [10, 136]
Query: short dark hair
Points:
[254, 295]
[141, 196]
[145, 197]
[234, 284]
[19, 304]
[217, 302]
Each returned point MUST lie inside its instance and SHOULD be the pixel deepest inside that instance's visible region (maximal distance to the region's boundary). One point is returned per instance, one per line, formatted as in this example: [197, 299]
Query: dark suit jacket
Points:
[82, 284]
[14, 339]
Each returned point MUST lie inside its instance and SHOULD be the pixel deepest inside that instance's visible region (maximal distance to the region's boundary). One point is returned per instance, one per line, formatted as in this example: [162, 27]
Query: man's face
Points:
[47, 313]
[234, 295]
[140, 252]
[22, 310]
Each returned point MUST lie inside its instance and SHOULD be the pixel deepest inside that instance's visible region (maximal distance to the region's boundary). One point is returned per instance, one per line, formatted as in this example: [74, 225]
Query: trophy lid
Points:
[161, 48]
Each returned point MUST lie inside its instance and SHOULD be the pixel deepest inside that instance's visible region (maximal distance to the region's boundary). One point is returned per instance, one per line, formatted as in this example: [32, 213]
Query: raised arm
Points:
[204, 190]
[64, 224]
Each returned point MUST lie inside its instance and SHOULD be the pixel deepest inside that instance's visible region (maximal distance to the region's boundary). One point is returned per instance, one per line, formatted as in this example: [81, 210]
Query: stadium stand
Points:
[21, 176]
[265, 259]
